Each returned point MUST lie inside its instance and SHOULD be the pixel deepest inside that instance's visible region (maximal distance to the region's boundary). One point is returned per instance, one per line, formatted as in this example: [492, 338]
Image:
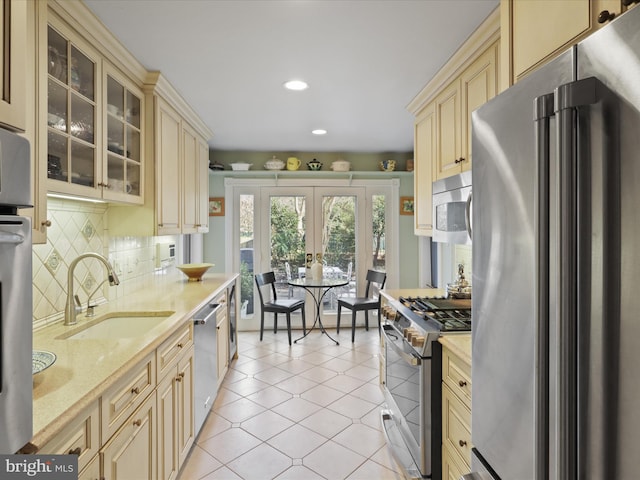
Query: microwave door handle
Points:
[467, 214]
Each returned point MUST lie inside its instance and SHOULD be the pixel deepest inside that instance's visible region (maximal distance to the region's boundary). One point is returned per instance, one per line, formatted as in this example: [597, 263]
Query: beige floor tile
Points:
[296, 385]
[385, 458]
[273, 375]
[262, 462]
[230, 444]
[295, 366]
[363, 373]
[318, 374]
[344, 383]
[198, 464]
[322, 395]
[352, 407]
[361, 439]
[223, 473]
[338, 365]
[266, 424]
[270, 397]
[225, 396]
[370, 392]
[296, 441]
[316, 358]
[370, 469]
[240, 410]
[247, 386]
[296, 409]
[213, 425]
[326, 423]
[252, 367]
[333, 461]
[299, 472]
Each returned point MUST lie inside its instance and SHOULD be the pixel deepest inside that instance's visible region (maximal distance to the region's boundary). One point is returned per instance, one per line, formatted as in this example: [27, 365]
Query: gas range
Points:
[421, 320]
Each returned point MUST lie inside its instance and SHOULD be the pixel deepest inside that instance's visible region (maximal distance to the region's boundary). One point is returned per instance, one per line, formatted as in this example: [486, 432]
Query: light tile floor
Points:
[305, 412]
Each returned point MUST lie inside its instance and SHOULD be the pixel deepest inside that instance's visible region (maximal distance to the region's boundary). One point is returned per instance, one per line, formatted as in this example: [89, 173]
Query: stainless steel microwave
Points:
[452, 209]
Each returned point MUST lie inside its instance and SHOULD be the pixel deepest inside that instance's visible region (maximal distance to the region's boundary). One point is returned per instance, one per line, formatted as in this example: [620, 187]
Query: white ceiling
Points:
[364, 61]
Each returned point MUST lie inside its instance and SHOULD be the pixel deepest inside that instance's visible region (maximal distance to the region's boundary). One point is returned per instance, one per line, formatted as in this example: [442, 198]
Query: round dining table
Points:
[318, 289]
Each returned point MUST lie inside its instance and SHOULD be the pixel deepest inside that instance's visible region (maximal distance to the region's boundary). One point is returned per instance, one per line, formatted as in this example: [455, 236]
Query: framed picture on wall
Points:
[406, 205]
[216, 206]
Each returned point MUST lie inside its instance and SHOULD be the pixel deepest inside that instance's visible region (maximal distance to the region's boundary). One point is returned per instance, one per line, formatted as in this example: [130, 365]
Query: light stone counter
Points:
[459, 344]
[84, 369]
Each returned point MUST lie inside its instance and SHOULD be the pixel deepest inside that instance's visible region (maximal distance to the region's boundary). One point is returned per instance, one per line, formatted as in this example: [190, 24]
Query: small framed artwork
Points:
[406, 205]
[216, 206]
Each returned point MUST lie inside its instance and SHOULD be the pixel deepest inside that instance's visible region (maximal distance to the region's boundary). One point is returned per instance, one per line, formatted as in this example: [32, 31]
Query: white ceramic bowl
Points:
[241, 166]
[274, 165]
[340, 166]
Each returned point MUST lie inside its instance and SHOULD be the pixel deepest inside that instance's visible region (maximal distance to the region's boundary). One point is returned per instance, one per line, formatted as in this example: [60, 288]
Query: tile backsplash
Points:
[79, 227]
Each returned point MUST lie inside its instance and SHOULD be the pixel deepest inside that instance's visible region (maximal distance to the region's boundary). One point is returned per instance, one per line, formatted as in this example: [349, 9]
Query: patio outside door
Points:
[311, 224]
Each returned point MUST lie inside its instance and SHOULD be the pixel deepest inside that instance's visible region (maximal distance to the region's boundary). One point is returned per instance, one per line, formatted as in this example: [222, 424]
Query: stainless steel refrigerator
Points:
[556, 267]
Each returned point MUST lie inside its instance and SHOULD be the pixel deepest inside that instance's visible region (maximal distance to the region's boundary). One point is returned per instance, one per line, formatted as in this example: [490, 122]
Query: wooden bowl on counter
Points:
[194, 271]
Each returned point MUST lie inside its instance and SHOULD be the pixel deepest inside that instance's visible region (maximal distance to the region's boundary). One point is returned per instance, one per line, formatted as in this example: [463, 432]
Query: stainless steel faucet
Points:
[71, 310]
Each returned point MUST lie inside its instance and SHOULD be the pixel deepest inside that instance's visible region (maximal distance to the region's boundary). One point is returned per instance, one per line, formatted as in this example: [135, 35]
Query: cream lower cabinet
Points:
[537, 31]
[131, 452]
[138, 429]
[222, 338]
[175, 417]
[456, 416]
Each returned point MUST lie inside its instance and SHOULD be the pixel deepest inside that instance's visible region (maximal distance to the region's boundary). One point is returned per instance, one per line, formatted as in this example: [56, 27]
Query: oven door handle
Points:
[411, 359]
[10, 238]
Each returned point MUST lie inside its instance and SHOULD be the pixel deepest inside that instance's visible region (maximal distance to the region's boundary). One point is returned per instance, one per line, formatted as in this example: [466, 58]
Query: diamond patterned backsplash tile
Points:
[76, 228]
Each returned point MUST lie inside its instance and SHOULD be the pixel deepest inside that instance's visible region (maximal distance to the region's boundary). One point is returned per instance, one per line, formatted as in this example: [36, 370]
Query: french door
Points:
[284, 228]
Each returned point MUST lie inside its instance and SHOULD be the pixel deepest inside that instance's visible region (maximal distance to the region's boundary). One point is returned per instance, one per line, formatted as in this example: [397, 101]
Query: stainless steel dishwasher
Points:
[205, 361]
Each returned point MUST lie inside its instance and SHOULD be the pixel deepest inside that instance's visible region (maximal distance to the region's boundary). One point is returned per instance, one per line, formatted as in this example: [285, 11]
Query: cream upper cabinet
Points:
[535, 31]
[13, 64]
[449, 133]
[168, 167]
[425, 154]
[442, 127]
[196, 182]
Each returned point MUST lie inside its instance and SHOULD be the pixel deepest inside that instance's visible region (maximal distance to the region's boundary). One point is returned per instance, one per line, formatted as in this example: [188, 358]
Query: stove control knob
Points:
[409, 333]
[417, 341]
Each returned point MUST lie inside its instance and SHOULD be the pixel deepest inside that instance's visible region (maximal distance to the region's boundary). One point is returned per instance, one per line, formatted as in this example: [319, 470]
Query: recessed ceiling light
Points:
[296, 85]
[319, 131]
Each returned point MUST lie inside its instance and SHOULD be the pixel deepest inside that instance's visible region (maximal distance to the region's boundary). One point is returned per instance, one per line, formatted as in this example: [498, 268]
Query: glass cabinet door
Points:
[71, 119]
[124, 144]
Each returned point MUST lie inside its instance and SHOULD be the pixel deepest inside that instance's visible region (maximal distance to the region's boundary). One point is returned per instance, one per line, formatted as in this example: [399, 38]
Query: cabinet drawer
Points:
[172, 347]
[456, 424]
[119, 401]
[453, 467]
[457, 375]
[81, 437]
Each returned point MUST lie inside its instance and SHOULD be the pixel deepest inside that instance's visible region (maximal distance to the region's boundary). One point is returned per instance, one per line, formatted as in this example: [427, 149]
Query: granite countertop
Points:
[85, 368]
[459, 344]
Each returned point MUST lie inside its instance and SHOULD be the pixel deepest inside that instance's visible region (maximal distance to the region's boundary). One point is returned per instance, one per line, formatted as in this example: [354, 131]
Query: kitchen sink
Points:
[116, 325]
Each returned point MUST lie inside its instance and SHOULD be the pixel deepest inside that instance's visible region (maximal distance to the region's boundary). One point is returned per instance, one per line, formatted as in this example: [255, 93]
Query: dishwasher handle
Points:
[206, 313]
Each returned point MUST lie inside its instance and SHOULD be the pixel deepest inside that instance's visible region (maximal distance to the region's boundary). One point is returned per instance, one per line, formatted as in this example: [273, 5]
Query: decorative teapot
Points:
[314, 165]
[387, 165]
[293, 163]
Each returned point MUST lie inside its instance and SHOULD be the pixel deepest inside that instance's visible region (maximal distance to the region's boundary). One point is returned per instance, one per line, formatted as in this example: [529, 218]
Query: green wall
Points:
[214, 241]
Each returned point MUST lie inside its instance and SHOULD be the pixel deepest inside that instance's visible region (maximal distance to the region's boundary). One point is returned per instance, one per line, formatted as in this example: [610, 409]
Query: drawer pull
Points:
[75, 451]
[462, 443]
[137, 422]
[462, 383]
[180, 345]
[135, 390]
[178, 378]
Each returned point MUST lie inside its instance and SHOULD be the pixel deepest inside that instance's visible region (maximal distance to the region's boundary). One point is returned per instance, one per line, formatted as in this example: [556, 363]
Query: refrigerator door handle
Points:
[543, 111]
[568, 98]
[467, 215]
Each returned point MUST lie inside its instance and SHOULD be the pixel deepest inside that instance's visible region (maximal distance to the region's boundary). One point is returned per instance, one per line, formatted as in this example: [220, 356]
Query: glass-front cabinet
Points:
[122, 169]
[71, 118]
[94, 123]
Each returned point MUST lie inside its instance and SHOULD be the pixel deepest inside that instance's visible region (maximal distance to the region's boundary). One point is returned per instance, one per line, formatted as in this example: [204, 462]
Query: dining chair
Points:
[277, 305]
[371, 301]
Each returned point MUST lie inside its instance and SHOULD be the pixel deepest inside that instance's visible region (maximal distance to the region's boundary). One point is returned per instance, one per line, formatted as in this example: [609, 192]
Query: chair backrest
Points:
[268, 278]
[374, 277]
